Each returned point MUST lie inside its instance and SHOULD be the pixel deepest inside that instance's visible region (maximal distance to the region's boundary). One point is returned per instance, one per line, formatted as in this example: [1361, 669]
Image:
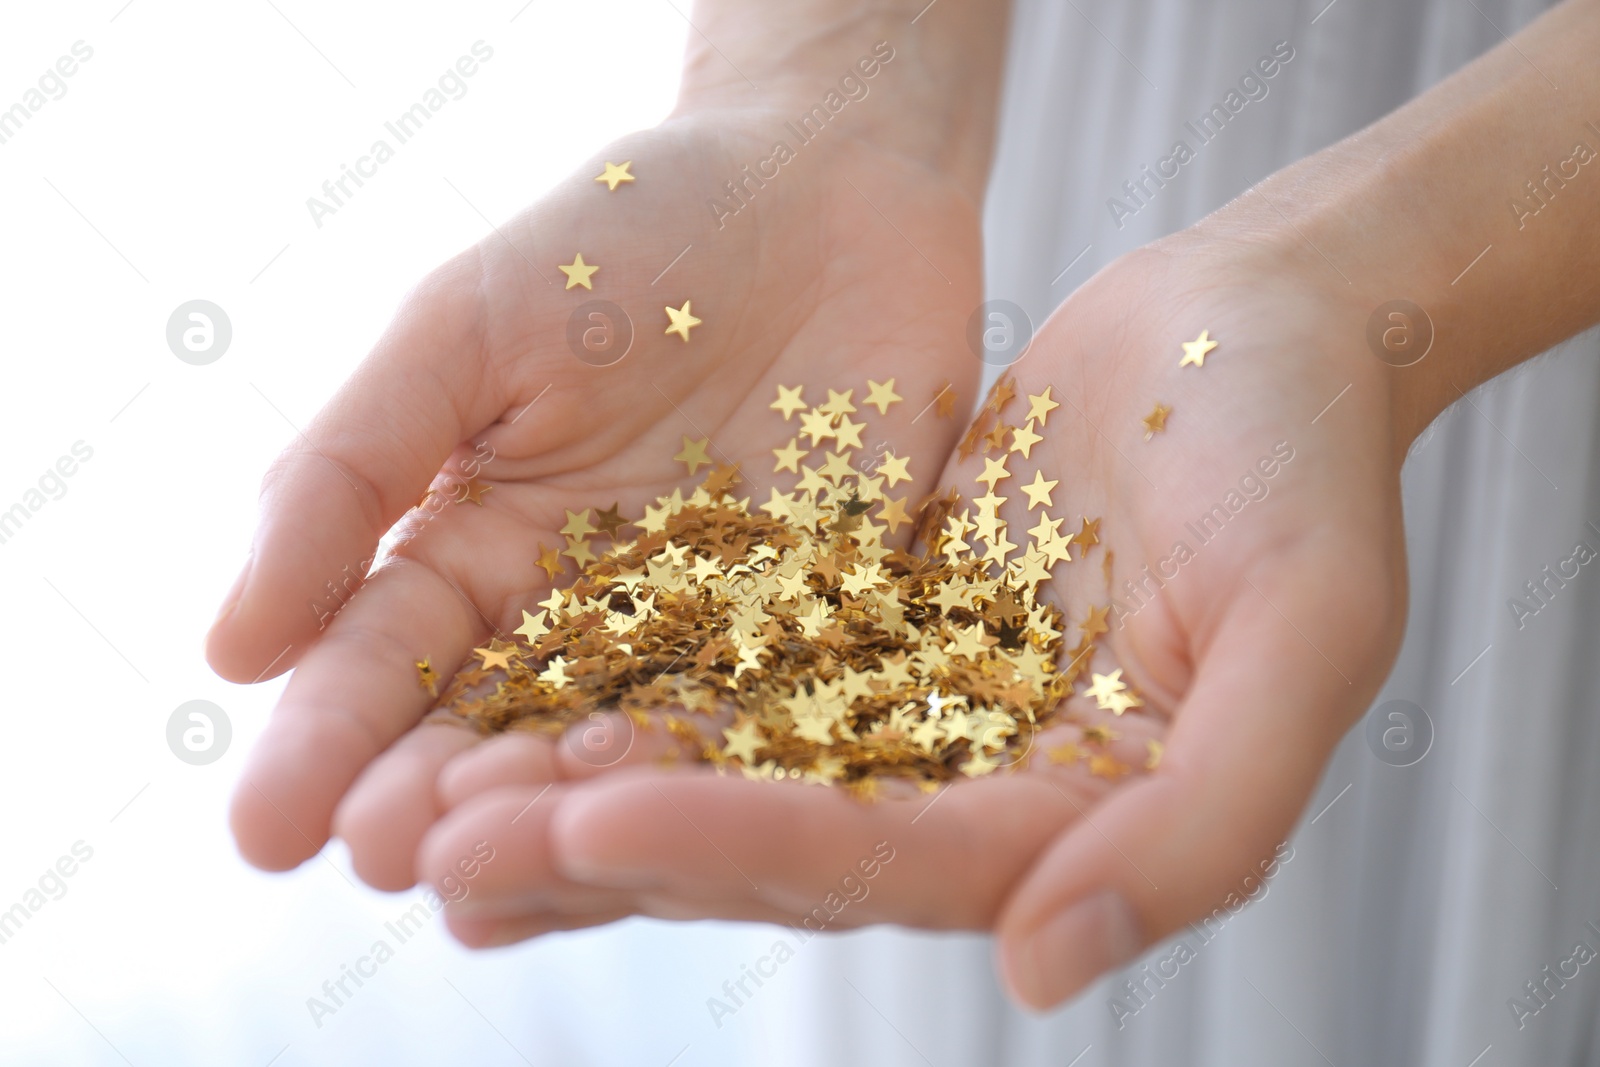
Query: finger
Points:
[395, 800]
[490, 859]
[601, 742]
[493, 933]
[940, 860]
[491, 855]
[362, 462]
[511, 759]
[1266, 707]
[347, 701]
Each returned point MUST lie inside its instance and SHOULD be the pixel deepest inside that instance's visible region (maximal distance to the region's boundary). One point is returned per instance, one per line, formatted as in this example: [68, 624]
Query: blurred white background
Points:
[176, 166]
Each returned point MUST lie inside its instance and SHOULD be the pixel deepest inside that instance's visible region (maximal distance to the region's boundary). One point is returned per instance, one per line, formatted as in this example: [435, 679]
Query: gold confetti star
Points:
[578, 524]
[1040, 407]
[1023, 439]
[817, 425]
[1095, 624]
[893, 513]
[1039, 491]
[578, 549]
[744, 740]
[427, 676]
[681, 321]
[1001, 394]
[615, 174]
[474, 492]
[945, 399]
[838, 403]
[849, 433]
[1156, 421]
[1195, 351]
[610, 521]
[881, 395]
[893, 469]
[788, 401]
[1105, 685]
[533, 626]
[789, 456]
[550, 561]
[694, 454]
[495, 657]
[993, 471]
[578, 272]
[1089, 535]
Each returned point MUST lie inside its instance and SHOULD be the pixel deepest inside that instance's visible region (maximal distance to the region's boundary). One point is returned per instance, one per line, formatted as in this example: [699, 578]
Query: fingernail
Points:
[1093, 936]
[231, 601]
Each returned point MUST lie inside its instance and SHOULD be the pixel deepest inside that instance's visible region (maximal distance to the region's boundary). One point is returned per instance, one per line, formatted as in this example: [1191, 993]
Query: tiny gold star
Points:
[474, 492]
[849, 433]
[893, 513]
[578, 549]
[578, 524]
[818, 425]
[881, 395]
[993, 471]
[1156, 421]
[1096, 622]
[1040, 407]
[578, 272]
[616, 173]
[427, 676]
[533, 626]
[1195, 351]
[744, 740]
[790, 456]
[682, 321]
[788, 401]
[893, 468]
[694, 454]
[550, 561]
[1039, 491]
[610, 521]
[838, 403]
[495, 657]
[1023, 439]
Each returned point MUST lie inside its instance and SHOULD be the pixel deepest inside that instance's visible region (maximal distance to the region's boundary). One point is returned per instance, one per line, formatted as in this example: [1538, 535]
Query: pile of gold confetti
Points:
[840, 658]
[843, 658]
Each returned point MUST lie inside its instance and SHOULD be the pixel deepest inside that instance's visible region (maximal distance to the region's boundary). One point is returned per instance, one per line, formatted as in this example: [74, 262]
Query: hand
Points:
[1264, 642]
[809, 285]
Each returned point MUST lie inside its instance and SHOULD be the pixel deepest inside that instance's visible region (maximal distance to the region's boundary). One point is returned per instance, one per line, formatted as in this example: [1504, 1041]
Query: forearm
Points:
[934, 101]
[1479, 201]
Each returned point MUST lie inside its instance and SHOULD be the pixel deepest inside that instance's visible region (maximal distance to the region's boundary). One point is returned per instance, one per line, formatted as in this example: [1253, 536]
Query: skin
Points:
[1254, 660]
[862, 261]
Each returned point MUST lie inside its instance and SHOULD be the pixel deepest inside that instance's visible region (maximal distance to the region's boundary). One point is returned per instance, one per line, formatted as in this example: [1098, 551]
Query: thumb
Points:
[1270, 699]
[355, 469]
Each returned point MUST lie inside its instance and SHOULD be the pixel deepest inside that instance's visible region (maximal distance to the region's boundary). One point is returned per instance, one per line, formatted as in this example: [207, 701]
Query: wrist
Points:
[926, 91]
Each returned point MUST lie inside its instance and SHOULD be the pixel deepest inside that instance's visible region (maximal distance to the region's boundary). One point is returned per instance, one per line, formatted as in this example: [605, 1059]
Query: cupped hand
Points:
[1261, 534]
[851, 263]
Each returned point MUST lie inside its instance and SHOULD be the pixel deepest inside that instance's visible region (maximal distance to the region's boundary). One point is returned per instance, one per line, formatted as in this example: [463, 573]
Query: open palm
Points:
[864, 265]
[1254, 648]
